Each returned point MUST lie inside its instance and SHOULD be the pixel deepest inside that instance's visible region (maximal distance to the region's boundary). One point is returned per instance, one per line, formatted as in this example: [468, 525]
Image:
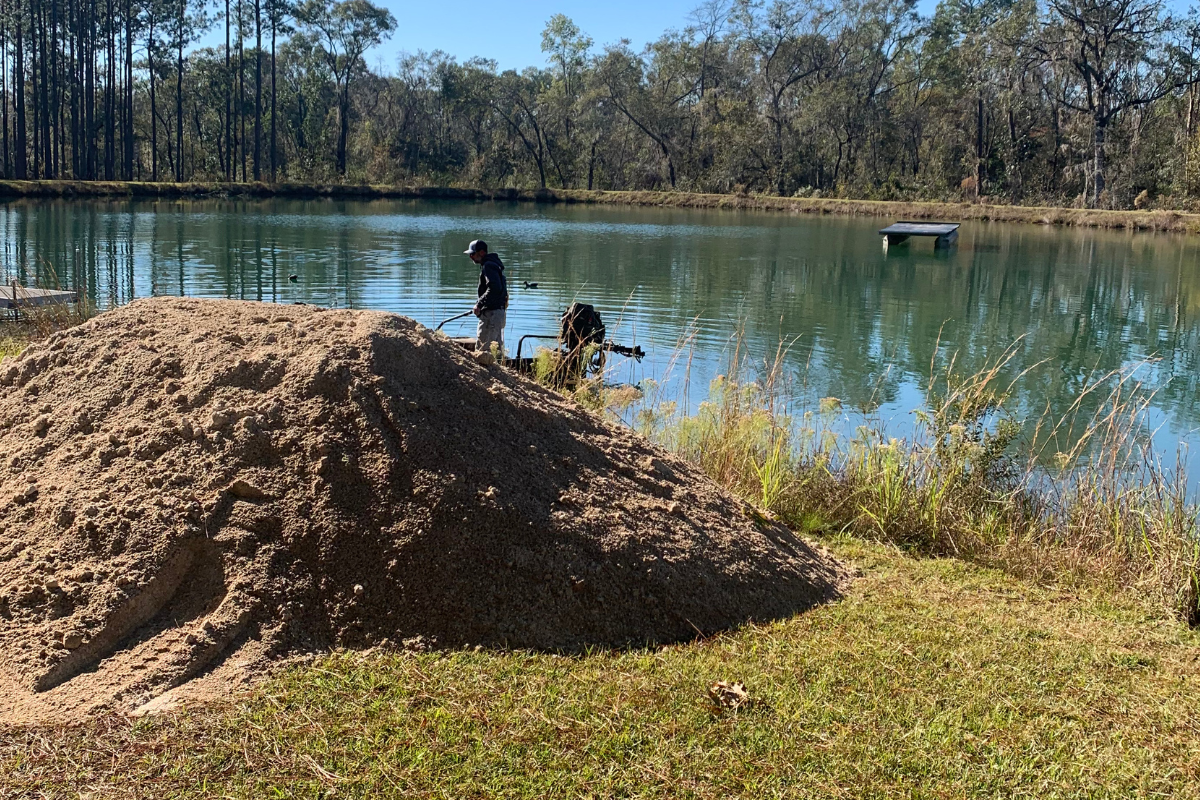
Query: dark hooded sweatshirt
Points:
[493, 288]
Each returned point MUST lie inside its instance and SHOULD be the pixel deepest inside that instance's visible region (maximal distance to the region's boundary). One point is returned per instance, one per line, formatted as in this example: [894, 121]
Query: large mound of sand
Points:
[181, 480]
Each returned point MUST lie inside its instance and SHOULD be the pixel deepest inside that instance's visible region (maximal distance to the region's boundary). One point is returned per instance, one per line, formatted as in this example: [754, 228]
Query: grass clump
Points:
[11, 344]
[1074, 500]
[34, 323]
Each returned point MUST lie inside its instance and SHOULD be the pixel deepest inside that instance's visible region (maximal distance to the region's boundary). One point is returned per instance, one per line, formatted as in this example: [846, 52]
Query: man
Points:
[492, 305]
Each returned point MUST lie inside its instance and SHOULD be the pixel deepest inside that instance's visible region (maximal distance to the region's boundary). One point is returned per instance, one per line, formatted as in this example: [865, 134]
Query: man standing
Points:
[493, 296]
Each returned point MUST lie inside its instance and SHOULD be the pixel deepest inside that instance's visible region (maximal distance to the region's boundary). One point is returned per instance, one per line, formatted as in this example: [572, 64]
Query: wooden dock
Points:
[14, 297]
[946, 233]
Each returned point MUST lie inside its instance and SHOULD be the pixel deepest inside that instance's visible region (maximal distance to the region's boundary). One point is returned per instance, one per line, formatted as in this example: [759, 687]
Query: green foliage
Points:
[991, 100]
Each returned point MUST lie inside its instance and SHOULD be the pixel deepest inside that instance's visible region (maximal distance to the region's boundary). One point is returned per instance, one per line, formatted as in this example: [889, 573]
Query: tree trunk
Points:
[979, 171]
[777, 129]
[1098, 173]
[4, 84]
[90, 130]
[274, 141]
[76, 82]
[592, 167]
[110, 101]
[128, 90]
[241, 98]
[55, 105]
[34, 85]
[228, 103]
[257, 90]
[179, 97]
[344, 130]
[153, 101]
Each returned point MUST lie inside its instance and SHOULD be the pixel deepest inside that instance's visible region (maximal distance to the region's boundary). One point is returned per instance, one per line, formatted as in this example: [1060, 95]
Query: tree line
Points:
[1077, 102]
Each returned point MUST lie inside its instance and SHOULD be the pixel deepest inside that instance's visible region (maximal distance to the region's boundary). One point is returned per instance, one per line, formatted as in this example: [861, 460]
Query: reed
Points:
[1066, 500]
[32, 324]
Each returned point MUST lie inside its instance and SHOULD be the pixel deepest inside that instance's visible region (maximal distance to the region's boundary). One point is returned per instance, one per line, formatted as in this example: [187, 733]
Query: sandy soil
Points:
[192, 490]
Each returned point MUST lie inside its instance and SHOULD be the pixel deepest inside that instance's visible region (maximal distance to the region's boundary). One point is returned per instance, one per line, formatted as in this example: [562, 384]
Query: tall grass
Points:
[1073, 499]
[33, 323]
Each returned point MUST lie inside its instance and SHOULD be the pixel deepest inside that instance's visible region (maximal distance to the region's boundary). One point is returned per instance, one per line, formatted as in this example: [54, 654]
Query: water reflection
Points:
[864, 324]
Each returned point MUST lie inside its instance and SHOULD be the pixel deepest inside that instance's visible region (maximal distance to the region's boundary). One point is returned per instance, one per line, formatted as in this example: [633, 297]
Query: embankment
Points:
[1156, 220]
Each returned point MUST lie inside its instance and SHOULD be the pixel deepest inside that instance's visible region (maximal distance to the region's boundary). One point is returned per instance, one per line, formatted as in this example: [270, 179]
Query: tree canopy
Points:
[1078, 102]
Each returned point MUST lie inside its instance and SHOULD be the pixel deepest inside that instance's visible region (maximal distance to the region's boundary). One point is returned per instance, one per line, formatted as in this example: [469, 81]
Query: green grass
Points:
[11, 346]
[933, 678]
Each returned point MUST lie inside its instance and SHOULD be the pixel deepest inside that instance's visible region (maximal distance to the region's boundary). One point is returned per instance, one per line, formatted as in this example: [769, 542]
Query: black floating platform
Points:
[944, 233]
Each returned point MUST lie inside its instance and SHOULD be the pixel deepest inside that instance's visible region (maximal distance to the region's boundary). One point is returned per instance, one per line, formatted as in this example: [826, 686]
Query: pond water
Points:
[862, 325]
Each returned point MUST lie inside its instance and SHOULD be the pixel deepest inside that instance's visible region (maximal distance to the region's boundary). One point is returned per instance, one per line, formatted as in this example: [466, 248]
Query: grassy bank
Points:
[1079, 500]
[932, 679]
[1156, 220]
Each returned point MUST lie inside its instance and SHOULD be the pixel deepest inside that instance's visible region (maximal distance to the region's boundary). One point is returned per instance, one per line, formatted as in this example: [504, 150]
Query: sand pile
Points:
[183, 480]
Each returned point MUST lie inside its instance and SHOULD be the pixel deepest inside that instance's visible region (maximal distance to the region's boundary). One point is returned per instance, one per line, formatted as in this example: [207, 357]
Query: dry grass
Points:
[37, 323]
[1157, 220]
[1153, 220]
[1070, 500]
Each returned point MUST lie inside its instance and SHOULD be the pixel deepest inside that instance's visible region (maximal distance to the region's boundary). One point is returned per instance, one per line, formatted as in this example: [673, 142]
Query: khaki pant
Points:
[491, 329]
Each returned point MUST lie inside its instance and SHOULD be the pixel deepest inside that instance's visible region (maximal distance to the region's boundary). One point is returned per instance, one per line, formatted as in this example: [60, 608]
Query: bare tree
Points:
[1121, 53]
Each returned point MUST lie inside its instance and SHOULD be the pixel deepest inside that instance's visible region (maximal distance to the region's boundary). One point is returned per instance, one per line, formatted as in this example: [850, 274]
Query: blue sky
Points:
[510, 31]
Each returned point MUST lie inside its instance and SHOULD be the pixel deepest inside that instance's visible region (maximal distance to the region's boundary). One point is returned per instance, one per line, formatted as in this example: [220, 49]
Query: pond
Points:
[860, 324]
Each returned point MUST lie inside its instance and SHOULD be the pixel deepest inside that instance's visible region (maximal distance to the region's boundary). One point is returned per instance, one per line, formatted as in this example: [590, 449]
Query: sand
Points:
[192, 491]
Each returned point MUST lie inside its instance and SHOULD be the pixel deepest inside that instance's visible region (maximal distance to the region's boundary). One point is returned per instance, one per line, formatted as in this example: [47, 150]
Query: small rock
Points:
[675, 509]
[358, 590]
[72, 640]
[41, 424]
[485, 359]
[52, 583]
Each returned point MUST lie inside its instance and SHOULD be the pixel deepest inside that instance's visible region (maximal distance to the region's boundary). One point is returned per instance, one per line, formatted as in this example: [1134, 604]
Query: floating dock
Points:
[946, 233]
[13, 296]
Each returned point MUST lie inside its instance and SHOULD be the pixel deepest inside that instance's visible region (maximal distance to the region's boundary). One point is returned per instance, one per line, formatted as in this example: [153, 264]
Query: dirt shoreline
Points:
[1156, 220]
